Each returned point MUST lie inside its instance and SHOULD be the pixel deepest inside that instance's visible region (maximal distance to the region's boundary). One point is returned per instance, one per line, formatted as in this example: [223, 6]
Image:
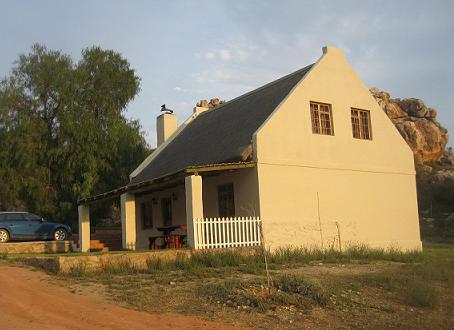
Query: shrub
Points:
[297, 284]
[80, 269]
[418, 292]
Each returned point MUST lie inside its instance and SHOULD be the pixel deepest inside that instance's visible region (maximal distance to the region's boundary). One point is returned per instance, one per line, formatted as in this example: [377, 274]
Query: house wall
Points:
[178, 214]
[245, 190]
[367, 186]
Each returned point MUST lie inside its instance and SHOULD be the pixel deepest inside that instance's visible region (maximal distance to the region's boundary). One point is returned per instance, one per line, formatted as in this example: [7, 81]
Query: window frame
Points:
[167, 206]
[147, 223]
[317, 118]
[226, 200]
[362, 135]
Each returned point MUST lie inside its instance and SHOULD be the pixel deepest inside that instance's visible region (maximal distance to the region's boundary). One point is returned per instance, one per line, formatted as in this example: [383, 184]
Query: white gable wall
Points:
[367, 187]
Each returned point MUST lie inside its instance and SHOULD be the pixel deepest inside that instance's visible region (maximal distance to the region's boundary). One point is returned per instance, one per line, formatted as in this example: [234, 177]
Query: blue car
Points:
[24, 226]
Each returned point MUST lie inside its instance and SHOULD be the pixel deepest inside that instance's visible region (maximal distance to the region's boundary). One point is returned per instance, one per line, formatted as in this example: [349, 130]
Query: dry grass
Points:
[357, 289]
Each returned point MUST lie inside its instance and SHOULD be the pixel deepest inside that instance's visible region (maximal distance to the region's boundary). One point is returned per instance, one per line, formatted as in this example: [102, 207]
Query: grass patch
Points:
[78, 270]
[122, 266]
[418, 292]
[299, 285]
[286, 290]
[357, 253]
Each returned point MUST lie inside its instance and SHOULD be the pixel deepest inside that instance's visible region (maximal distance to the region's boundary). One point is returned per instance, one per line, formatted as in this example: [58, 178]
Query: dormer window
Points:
[322, 119]
[361, 126]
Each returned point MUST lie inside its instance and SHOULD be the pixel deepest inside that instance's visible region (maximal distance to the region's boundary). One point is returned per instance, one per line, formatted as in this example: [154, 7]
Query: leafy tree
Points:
[63, 133]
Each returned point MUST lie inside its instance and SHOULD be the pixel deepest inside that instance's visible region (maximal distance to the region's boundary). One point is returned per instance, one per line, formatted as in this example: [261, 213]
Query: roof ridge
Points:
[257, 89]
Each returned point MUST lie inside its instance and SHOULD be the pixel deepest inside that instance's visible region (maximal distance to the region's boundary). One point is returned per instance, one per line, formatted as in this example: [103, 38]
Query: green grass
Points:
[358, 253]
[198, 263]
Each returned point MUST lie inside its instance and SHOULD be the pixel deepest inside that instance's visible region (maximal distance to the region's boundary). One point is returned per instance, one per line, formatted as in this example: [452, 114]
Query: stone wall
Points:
[36, 247]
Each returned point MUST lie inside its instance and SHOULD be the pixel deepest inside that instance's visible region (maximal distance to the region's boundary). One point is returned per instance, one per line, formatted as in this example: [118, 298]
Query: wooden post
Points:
[84, 228]
[128, 221]
[194, 206]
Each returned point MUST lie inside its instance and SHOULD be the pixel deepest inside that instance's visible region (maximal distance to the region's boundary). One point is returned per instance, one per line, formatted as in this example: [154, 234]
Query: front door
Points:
[39, 228]
[166, 205]
[18, 225]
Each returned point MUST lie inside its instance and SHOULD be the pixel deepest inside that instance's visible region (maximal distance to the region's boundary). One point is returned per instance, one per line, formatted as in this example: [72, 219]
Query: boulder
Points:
[417, 124]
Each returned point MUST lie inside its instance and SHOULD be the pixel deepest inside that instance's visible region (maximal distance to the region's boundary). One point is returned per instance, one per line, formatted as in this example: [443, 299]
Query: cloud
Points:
[210, 55]
[225, 55]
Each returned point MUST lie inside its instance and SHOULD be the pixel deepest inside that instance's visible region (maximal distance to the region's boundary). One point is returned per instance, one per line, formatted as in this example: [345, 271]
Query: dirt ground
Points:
[28, 300]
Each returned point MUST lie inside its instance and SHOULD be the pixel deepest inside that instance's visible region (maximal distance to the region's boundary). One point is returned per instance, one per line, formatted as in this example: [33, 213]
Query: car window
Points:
[14, 217]
[31, 216]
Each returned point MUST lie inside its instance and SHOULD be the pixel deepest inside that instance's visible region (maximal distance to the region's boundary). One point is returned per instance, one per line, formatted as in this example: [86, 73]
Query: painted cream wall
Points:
[178, 214]
[245, 189]
[368, 187]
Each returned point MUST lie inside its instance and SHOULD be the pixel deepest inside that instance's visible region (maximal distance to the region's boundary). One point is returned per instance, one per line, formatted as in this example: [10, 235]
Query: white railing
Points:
[212, 233]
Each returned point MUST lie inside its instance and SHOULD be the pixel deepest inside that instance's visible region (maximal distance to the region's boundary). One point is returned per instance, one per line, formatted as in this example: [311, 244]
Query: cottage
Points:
[307, 160]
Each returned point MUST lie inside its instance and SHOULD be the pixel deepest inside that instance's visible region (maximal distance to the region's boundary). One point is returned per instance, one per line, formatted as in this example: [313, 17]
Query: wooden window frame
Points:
[225, 210]
[318, 118]
[167, 222]
[361, 129]
[147, 223]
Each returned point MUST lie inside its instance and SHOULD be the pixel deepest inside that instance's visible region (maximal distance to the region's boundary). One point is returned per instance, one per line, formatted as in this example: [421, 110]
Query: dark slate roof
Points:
[220, 135]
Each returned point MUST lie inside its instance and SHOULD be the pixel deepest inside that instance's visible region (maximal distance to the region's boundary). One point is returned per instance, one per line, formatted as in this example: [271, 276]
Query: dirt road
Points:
[29, 301]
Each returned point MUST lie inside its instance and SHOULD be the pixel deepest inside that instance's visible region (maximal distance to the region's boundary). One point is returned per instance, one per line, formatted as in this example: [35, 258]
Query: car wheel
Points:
[4, 236]
[60, 234]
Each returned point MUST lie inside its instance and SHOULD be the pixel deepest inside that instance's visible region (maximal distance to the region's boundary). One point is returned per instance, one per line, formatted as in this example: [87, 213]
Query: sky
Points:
[185, 51]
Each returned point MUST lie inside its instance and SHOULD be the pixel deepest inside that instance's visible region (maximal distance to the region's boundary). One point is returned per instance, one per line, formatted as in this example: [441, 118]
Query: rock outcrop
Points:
[213, 103]
[417, 124]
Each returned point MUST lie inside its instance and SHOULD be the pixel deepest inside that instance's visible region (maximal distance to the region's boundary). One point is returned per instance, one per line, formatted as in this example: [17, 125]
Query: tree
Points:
[63, 133]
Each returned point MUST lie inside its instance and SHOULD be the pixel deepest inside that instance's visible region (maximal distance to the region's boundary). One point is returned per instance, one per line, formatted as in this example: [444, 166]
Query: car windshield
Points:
[31, 216]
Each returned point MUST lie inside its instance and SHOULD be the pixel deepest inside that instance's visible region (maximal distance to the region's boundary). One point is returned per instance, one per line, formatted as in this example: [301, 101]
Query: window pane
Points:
[315, 119]
[166, 204]
[321, 119]
[31, 216]
[365, 124]
[226, 200]
[147, 215]
[14, 217]
[355, 124]
[361, 124]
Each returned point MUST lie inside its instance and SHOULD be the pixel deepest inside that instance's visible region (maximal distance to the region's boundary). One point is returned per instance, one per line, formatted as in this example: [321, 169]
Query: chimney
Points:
[200, 107]
[333, 50]
[166, 125]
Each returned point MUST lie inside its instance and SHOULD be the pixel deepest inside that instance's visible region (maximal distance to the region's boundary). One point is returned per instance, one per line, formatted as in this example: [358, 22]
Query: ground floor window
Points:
[166, 205]
[226, 200]
[147, 215]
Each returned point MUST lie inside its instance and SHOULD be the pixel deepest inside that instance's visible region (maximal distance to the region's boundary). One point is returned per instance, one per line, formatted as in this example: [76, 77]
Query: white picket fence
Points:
[212, 233]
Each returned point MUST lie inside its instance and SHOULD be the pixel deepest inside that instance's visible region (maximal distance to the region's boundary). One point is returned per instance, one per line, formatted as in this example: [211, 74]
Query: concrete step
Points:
[103, 246]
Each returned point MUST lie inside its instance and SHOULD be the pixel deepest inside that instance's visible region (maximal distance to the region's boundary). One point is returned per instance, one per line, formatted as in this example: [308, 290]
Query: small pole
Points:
[319, 220]
[339, 236]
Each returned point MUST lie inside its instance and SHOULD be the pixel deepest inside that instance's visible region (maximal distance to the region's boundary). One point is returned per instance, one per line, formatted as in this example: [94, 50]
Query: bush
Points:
[78, 270]
[297, 284]
[420, 293]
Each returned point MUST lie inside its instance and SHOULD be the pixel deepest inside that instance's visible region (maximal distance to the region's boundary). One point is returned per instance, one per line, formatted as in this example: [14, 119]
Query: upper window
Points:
[361, 126]
[226, 200]
[322, 119]
[147, 215]
[32, 217]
